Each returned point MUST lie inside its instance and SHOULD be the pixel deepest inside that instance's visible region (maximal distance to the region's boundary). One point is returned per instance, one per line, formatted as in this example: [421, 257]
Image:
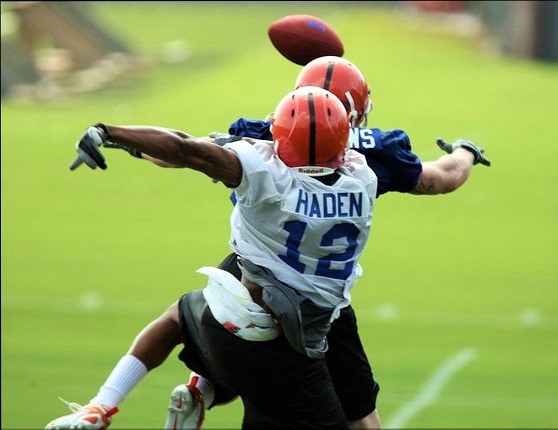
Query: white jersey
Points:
[310, 235]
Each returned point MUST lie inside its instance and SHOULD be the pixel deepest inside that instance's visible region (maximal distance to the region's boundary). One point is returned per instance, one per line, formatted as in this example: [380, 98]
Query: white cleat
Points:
[88, 417]
[186, 409]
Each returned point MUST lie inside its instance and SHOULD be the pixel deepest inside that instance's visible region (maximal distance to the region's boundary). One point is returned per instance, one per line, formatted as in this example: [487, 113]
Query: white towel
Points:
[231, 304]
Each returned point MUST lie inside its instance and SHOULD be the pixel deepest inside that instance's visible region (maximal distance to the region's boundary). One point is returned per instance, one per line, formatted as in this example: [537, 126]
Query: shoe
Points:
[88, 417]
[186, 408]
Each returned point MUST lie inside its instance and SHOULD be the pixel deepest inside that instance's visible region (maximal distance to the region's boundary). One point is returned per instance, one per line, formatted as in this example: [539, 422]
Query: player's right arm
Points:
[170, 146]
[215, 137]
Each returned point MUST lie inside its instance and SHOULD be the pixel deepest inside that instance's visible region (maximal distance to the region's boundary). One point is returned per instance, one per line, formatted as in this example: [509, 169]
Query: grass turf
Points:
[89, 257]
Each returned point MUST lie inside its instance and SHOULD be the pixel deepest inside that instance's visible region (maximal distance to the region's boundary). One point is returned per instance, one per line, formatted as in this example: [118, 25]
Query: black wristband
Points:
[104, 128]
[133, 152]
[471, 148]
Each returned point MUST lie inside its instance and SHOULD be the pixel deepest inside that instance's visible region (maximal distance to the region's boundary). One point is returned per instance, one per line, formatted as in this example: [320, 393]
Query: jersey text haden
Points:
[326, 204]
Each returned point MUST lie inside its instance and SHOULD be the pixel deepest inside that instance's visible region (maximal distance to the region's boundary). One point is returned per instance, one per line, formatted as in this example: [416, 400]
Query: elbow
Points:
[455, 181]
[450, 188]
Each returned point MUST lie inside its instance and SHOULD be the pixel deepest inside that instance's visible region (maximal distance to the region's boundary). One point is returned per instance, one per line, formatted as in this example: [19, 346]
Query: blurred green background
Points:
[458, 304]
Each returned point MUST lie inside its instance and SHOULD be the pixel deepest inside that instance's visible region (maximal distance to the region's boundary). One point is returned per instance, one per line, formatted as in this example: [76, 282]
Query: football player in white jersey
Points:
[302, 219]
[398, 169]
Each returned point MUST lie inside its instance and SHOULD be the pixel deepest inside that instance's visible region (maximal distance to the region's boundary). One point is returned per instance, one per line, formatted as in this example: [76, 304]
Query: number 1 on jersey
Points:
[346, 230]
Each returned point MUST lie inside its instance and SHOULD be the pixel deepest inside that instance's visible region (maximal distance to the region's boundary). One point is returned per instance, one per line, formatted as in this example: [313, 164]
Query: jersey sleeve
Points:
[259, 172]
[390, 155]
[254, 128]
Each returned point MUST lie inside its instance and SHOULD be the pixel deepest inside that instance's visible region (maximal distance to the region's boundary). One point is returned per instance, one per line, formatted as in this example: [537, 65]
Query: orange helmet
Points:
[343, 79]
[310, 131]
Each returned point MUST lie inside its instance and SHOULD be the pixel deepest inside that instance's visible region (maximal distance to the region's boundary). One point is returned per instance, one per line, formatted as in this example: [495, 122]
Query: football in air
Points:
[303, 38]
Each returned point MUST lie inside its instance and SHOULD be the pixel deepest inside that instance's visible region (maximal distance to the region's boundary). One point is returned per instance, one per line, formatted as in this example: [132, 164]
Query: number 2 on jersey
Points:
[346, 230]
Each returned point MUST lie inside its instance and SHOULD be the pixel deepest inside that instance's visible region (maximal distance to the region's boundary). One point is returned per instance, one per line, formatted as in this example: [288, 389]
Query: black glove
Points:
[223, 138]
[88, 149]
[108, 144]
[462, 143]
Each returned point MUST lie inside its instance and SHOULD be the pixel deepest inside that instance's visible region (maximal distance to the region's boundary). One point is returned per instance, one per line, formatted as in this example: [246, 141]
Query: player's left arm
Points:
[444, 175]
[450, 171]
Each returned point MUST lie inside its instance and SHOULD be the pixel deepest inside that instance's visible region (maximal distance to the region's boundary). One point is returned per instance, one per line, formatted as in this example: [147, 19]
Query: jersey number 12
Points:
[346, 230]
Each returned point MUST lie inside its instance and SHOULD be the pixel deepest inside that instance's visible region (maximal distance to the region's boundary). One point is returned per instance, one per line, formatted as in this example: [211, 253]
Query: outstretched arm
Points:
[446, 174]
[215, 137]
[176, 148]
[450, 171]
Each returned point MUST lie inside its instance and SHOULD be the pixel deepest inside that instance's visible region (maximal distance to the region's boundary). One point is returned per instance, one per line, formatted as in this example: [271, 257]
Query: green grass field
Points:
[458, 305]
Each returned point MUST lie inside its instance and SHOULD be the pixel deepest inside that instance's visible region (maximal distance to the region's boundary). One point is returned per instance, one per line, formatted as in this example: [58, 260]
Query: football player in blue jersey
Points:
[301, 222]
[398, 169]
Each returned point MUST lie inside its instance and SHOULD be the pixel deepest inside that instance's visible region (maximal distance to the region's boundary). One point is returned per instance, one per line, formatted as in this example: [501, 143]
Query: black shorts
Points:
[349, 367]
[346, 360]
[279, 387]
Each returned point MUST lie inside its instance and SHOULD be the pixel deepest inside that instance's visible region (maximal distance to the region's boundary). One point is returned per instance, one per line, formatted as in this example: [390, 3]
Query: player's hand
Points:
[223, 138]
[88, 149]
[470, 146]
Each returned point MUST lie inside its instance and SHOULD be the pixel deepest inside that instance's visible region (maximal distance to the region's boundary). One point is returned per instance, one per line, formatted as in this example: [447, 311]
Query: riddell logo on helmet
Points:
[312, 170]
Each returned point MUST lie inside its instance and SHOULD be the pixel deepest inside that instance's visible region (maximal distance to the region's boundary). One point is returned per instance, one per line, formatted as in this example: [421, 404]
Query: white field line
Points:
[524, 317]
[87, 301]
[384, 313]
[432, 388]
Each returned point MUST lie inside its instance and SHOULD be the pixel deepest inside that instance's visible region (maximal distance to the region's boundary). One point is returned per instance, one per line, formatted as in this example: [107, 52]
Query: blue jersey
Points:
[388, 153]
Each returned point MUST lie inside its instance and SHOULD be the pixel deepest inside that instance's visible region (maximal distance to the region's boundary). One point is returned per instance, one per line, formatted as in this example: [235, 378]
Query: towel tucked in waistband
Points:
[231, 304]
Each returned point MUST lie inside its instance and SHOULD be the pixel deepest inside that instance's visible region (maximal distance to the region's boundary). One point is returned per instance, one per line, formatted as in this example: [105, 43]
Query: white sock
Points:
[205, 387]
[123, 378]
